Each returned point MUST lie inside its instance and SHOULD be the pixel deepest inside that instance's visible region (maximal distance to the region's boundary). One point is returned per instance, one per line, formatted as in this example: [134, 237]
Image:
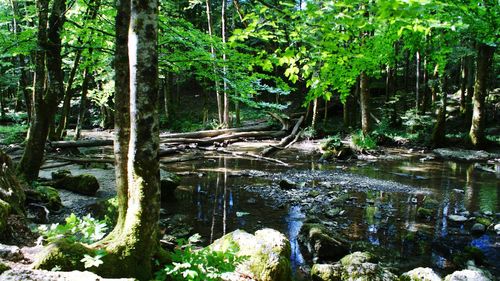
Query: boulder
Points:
[496, 228]
[358, 266]
[324, 245]
[457, 218]
[168, 183]
[44, 275]
[478, 229]
[326, 272]
[82, 184]
[11, 253]
[49, 196]
[267, 253]
[472, 273]
[60, 174]
[287, 184]
[420, 274]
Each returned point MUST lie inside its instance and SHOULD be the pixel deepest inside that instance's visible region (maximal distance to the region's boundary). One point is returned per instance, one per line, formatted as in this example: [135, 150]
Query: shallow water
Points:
[215, 203]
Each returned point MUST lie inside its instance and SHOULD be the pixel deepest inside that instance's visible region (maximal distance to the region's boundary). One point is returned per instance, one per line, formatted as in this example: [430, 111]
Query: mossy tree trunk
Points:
[439, 132]
[48, 56]
[134, 239]
[484, 61]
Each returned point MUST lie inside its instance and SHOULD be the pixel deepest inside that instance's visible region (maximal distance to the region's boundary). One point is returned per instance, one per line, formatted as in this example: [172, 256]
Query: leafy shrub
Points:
[309, 133]
[85, 230]
[362, 141]
[331, 142]
[199, 265]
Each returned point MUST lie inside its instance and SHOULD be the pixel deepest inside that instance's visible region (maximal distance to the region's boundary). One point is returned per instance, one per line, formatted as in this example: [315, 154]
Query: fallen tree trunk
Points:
[80, 143]
[285, 141]
[214, 133]
[85, 160]
[221, 138]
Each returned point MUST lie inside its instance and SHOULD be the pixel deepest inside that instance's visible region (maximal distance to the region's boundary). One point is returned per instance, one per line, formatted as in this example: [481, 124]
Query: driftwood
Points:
[55, 165]
[285, 141]
[182, 159]
[85, 160]
[247, 155]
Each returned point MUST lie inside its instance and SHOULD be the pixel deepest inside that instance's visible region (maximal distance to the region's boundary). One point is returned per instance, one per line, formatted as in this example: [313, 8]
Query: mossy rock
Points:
[3, 267]
[267, 253]
[469, 254]
[420, 274]
[430, 203]
[49, 196]
[484, 221]
[322, 243]
[60, 174]
[105, 210]
[82, 184]
[359, 266]
[326, 272]
[62, 254]
[11, 188]
[4, 214]
[169, 181]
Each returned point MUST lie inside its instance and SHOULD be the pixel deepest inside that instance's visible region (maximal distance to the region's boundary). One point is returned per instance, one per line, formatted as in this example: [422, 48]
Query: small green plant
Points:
[85, 230]
[362, 141]
[191, 264]
[93, 261]
[309, 133]
[12, 134]
[331, 142]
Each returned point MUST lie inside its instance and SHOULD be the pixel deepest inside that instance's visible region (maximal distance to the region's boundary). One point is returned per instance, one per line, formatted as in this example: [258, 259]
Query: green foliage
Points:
[332, 142]
[309, 133]
[362, 141]
[191, 264]
[85, 230]
[12, 134]
[93, 261]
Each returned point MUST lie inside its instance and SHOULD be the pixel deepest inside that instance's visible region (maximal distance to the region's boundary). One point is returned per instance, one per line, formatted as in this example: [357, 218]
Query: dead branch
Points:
[246, 155]
[285, 141]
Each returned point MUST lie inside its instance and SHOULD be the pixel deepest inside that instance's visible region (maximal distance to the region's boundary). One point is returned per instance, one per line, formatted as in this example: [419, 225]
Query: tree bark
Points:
[365, 103]
[83, 104]
[226, 122]
[46, 97]
[220, 111]
[439, 132]
[484, 61]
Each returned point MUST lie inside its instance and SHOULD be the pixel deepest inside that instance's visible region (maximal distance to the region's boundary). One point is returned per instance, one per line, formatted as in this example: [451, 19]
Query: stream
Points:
[218, 195]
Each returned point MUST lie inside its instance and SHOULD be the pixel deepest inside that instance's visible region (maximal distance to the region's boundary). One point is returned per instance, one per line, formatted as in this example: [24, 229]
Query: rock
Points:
[420, 274]
[497, 228]
[484, 221]
[62, 254]
[357, 266]
[322, 243]
[268, 253]
[333, 212]
[472, 273]
[60, 174]
[50, 197]
[11, 253]
[457, 218]
[287, 184]
[44, 275]
[326, 272]
[11, 189]
[478, 229]
[82, 184]
[345, 153]
[168, 184]
[463, 154]
[38, 213]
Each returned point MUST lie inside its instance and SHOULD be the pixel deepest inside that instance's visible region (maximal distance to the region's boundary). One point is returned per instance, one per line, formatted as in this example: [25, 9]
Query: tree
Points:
[46, 97]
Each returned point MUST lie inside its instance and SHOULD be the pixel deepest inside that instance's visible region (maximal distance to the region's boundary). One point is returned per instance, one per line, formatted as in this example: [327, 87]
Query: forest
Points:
[265, 140]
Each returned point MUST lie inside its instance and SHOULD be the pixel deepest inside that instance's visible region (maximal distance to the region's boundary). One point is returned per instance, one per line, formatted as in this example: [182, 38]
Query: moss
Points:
[62, 254]
[430, 203]
[50, 196]
[83, 184]
[4, 213]
[484, 221]
[469, 253]
[3, 267]
[314, 193]
[60, 174]
[325, 272]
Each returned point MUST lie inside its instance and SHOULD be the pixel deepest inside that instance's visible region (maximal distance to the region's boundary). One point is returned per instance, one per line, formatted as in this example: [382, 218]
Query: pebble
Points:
[457, 218]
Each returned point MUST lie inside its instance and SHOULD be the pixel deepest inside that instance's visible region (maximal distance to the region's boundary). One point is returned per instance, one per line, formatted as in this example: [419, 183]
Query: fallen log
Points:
[214, 133]
[285, 141]
[247, 155]
[85, 160]
[80, 143]
[182, 159]
[221, 138]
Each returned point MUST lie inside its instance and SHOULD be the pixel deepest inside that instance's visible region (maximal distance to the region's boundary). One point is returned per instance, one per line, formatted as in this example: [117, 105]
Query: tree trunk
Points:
[417, 82]
[220, 111]
[83, 104]
[314, 113]
[439, 132]
[46, 98]
[425, 96]
[470, 93]
[365, 103]
[226, 122]
[484, 61]
[464, 75]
